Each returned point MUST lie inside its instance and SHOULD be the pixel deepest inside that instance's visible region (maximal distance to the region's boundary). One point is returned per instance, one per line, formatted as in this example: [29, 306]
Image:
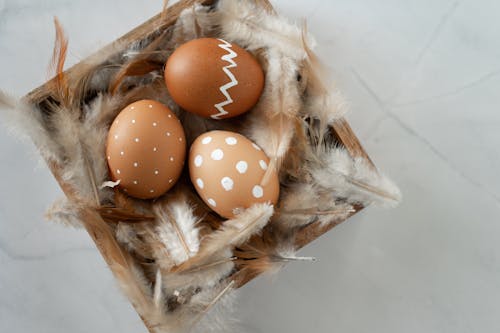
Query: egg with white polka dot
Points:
[146, 149]
[228, 170]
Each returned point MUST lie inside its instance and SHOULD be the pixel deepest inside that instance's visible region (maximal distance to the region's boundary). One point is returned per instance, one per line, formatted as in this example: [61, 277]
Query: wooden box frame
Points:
[103, 238]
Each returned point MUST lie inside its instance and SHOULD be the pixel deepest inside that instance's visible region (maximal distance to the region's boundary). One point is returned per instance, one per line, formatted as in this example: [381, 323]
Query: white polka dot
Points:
[168, 134]
[206, 140]
[118, 171]
[231, 141]
[217, 155]
[157, 172]
[136, 182]
[133, 121]
[122, 153]
[136, 139]
[263, 164]
[200, 183]
[212, 202]
[227, 183]
[256, 147]
[171, 159]
[136, 164]
[198, 161]
[258, 191]
[242, 167]
[155, 124]
[155, 149]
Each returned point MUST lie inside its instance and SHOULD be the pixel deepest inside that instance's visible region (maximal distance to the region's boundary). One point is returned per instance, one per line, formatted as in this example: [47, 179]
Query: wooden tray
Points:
[103, 236]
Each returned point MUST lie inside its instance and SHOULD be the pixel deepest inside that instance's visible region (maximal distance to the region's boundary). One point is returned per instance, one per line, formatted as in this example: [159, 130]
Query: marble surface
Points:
[422, 78]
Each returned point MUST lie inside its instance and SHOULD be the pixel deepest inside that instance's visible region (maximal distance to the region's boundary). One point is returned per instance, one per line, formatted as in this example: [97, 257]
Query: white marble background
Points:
[423, 79]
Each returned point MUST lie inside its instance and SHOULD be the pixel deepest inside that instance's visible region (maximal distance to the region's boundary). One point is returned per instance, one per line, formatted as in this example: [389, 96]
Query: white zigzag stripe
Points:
[224, 89]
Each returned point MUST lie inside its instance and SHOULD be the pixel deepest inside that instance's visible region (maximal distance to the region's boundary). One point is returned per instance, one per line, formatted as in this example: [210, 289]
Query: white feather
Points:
[248, 24]
[354, 179]
[177, 229]
[26, 121]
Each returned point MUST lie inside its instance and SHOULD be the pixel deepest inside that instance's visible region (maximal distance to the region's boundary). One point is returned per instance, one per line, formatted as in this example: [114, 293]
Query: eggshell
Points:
[227, 170]
[214, 78]
[146, 149]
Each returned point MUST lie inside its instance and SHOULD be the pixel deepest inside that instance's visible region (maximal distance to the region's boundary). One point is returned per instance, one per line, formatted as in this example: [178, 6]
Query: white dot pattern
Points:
[242, 167]
[258, 191]
[134, 160]
[217, 155]
[227, 183]
[231, 141]
[198, 161]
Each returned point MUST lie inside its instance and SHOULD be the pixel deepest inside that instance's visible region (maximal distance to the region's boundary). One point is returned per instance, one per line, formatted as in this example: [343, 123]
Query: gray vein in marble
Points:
[437, 31]
[474, 83]
[421, 138]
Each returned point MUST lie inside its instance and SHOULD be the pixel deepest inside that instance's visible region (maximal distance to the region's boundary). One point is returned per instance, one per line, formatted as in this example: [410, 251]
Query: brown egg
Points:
[146, 149]
[214, 78]
[227, 171]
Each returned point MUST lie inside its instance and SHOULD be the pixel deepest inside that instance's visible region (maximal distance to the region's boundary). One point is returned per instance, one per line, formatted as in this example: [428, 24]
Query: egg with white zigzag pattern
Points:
[214, 78]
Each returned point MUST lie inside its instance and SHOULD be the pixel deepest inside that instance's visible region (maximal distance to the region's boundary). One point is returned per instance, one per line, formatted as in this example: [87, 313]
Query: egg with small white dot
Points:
[146, 149]
[228, 172]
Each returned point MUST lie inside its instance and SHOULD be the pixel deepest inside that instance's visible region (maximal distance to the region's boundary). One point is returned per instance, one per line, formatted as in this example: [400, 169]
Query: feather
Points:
[64, 212]
[354, 179]
[26, 122]
[177, 229]
[234, 232]
[259, 257]
[157, 294]
[221, 265]
[213, 302]
[274, 119]
[58, 61]
[256, 27]
[304, 203]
